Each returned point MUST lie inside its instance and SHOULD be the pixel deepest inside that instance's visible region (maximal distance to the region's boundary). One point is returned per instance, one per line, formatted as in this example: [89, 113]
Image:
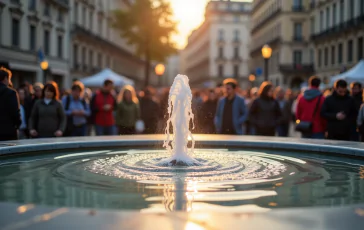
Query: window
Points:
[312, 56]
[340, 53]
[350, 50]
[333, 52]
[326, 56]
[100, 26]
[108, 61]
[334, 14]
[297, 4]
[341, 8]
[91, 58]
[99, 60]
[32, 5]
[236, 71]
[60, 16]
[221, 35]
[84, 15]
[321, 21]
[47, 9]
[83, 56]
[75, 12]
[351, 9]
[297, 31]
[75, 56]
[297, 57]
[221, 52]
[236, 35]
[319, 58]
[60, 46]
[46, 42]
[32, 35]
[236, 18]
[360, 48]
[327, 17]
[221, 70]
[15, 32]
[312, 23]
[236, 52]
[361, 8]
[90, 18]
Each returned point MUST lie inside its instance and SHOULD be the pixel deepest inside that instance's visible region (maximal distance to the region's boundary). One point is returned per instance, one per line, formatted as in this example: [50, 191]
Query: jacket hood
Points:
[311, 94]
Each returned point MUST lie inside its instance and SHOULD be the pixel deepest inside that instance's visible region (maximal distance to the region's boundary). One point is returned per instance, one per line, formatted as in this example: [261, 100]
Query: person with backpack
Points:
[77, 111]
[308, 112]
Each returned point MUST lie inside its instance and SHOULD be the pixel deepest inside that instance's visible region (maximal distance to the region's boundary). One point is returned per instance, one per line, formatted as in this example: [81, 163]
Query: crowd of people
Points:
[42, 111]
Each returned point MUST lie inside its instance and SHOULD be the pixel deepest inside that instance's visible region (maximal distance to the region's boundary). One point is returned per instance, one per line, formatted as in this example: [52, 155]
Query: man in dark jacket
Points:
[10, 118]
[357, 93]
[149, 111]
[340, 111]
[285, 106]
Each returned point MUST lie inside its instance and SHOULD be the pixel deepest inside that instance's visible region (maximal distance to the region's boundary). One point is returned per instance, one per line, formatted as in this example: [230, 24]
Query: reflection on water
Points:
[299, 180]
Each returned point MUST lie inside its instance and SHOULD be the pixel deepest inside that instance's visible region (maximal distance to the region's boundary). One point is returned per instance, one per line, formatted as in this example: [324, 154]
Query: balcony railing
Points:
[266, 20]
[298, 38]
[294, 68]
[298, 8]
[62, 3]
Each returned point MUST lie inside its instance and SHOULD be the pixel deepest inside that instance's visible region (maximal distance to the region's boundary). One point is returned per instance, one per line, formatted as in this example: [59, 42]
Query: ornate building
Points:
[219, 48]
[28, 26]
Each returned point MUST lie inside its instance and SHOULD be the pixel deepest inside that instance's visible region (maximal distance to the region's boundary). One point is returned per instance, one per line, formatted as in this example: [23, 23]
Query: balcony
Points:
[266, 20]
[297, 68]
[298, 8]
[236, 42]
[353, 24]
[61, 3]
[221, 42]
[221, 59]
[297, 38]
[236, 60]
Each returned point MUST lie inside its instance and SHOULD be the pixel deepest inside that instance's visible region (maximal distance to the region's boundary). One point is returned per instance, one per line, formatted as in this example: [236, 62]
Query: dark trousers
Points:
[126, 130]
[270, 132]
[283, 130]
[104, 130]
[339, 137]
[79, 131]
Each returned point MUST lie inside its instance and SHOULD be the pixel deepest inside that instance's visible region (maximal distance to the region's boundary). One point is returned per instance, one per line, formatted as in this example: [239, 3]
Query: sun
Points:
[189, 14]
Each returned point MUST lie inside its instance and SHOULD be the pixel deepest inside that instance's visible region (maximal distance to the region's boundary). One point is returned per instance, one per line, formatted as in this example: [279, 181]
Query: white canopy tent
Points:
[98, 79]
[355, 74]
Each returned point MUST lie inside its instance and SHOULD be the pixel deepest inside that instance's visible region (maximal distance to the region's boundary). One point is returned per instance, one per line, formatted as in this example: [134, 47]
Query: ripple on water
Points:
[213, 166]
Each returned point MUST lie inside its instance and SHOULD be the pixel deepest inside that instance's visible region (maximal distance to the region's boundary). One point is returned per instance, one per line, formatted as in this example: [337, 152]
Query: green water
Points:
[232, 182]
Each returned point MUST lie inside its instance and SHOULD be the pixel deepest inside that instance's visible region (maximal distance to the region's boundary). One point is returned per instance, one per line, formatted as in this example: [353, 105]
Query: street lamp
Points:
[44, 66]
[159, 71]
[266, 53]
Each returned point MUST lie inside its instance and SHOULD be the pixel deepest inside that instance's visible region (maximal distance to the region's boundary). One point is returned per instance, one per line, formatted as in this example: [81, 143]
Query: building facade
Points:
[337, 35]
[321, 37]
[219, 48]
[28, 26]
[95, 45]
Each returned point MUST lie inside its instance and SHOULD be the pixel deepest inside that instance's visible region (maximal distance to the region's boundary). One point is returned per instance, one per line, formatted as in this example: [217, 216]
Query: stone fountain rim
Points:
[343, 148]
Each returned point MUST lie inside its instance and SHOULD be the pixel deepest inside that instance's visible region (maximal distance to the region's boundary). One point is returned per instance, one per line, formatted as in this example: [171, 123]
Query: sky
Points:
[189, 14]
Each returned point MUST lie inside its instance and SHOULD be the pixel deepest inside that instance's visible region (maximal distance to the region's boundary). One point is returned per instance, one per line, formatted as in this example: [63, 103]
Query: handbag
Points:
[306, 126]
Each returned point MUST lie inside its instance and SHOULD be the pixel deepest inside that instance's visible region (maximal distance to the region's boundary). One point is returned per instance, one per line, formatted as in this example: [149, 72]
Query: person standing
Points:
[10, 119]
[103, 104]
[207, 113]
[48, 118]
[265, 113]
[150, 111]
[77, 111]
[128, 111]
[23, 127]
[357, 94]
[308, 109]
[339, 110]
[284, 105]
[231, 111]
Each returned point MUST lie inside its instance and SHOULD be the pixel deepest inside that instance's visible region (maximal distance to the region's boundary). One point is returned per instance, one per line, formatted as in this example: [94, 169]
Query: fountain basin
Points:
[60, 173]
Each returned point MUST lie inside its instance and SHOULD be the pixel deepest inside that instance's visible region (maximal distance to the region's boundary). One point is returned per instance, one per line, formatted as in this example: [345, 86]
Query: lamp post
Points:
[159, 71]
[266, 53]
[44, 66]
[252, 79]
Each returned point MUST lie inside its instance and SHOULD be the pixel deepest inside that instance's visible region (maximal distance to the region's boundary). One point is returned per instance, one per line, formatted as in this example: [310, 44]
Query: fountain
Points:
[225, 174]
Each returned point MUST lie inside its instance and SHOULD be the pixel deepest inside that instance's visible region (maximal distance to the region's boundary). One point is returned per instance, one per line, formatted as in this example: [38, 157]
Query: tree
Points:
[148, 25]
